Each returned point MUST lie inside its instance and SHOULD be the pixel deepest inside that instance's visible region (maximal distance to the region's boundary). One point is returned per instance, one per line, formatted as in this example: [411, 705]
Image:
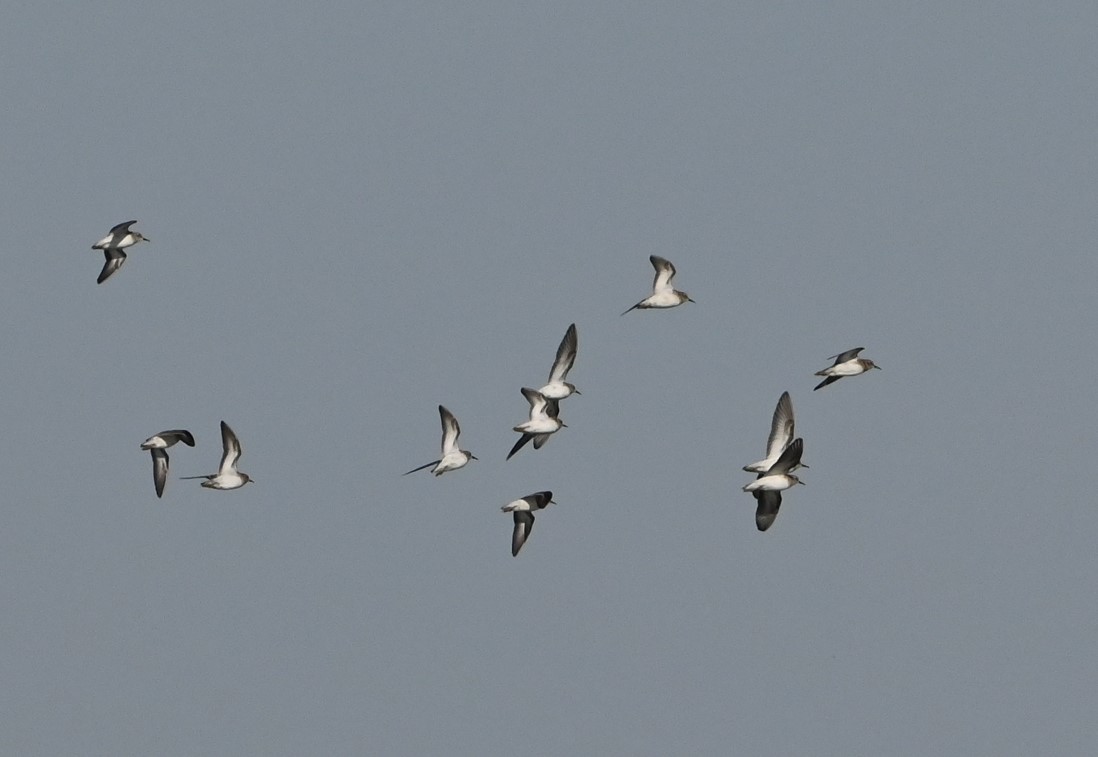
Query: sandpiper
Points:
[663, 295]
[158, 446]
[543, 421]
[452, 457]
[227, 476]
[767, 488]
[112, 245]
[558, 388]
[523, 510]
[846, 364]
[781, 434]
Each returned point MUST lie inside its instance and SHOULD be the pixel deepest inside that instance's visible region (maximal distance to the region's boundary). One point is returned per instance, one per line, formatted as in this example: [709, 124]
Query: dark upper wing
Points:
[450, 430]
[566, 355]
[114, 261]
[524, 523]
[826, 381]
[789, 459]
[160, 470]
[520, 444]
[539, 500]
[842, 357]
[781, 426]
[533, 396]
[428, 465]
[122, 228]
[767, 511]
[230, 448]
[665, 271]
[179, 434]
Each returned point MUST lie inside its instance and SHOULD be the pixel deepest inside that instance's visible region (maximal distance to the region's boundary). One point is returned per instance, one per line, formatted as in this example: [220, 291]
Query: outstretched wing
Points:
[781, 427]
[122, 228]
[160, 470]
[522, 443]
[566, 355]
[842, 357]
[665, 271]
[789, 459]
[428, 465]
[114, 260]
[536, 399]
[230, 447]
[524, 523]
[450, 431]
[767, 510]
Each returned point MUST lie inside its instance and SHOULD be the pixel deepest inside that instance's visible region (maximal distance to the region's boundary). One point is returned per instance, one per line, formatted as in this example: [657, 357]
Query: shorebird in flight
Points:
[767, 488]
[452, 457]
[781, 435]
[558, 388]
[523, 510]
[543, 421]
[158, 446]
[663, 294]
[113, 245]
[846, 364]
[227, 476]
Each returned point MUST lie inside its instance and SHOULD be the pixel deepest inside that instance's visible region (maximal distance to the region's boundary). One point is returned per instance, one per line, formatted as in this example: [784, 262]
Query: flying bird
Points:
[767, 488]
[113, 245]
[781, 435]
[543, 421]
[452, 457]
[558, 388]
[523, 510]
[663, 294]
[846, 364]
[158, 446]
[227, 476]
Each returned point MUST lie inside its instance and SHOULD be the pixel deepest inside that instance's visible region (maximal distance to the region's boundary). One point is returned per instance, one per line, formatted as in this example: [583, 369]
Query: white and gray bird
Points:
[543, 421]
[767, 488]
[227, 476]
[558, 388]
[452, 457]
[113, 245]
[781, 435]
[846, 364]
[663, 294]
[158, 446]
[523, 511]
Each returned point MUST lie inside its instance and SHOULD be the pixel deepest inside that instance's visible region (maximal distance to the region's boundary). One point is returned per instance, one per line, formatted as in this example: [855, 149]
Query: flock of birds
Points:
[775, 472]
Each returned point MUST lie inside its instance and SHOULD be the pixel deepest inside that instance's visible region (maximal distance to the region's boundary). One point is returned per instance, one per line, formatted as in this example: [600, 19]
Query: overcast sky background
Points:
[360, 211]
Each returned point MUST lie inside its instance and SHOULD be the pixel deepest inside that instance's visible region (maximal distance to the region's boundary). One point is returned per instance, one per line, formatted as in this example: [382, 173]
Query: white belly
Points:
[775, 483]
[539, 426]
[450, 462]
[849, 368]
[555, 391]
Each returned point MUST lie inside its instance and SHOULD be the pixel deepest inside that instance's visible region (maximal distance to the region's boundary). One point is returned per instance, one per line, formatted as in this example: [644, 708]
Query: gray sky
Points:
[361, 211]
